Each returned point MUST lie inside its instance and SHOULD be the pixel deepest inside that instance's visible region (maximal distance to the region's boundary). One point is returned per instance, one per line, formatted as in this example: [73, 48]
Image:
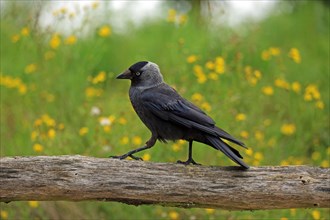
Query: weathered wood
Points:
[78, 178]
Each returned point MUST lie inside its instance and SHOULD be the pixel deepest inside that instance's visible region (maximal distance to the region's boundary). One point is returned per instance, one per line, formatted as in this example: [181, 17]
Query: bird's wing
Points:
[167, 104]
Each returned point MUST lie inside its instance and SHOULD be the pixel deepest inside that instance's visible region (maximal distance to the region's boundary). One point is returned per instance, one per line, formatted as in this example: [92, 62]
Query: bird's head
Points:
[143, 74]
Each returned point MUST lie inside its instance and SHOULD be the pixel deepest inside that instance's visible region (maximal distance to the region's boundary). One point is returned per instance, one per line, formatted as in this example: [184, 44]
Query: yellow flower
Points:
[137, 140]
[293, 211]
[183, 142]
[274, 51]
[173, 215]
[259, 135]
[171, 15]
[25, 31]
[4, 214]
[210, 211]
[124, 140]
[112, 118]
[201, 78]
[176, 147]
[244, 134]
[198, 70]
[265, 55]
[281, 83]
[33, 204]
[316, 215]
[257, 74]
[31, 68]
[183, 19]
[72, 15]
[191, 58]
[325, 163]
[51, 133]
[100, 77]
[34, 135]
[284, 218]
[93, 92]
[104, 31]
[258, 156]
[197, 97]
[15, 38]
[288, 129]
[319, 105]
[22, 89]
[209, 65]
[61, 126]
[49, 55]
[37, 122]
[206, 106]
[249, 152]
[122, 120]
[83, 131]
[63, 10]
[146, 157]
[50, 122]
[38, 148]
[268, 90]
[248, 70]
[55, 41]
[220, 65]
[284, 163]
[312, 92]
[296, 87]
[95, 4]
[213, 76]
[71, 40]
[107, 128]
[252, 77]
[267, 122]
[240, 117]
[294, 54]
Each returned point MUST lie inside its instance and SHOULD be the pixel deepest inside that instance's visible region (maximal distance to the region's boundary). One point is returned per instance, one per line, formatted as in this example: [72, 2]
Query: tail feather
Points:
[230, 152]
[228, 137]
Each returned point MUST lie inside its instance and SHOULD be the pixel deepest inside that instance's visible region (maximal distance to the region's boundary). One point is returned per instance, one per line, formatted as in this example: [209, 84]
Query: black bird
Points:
[171, 117]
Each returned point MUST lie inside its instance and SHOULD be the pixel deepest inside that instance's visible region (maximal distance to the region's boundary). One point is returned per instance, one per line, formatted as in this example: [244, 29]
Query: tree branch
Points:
[77, 178]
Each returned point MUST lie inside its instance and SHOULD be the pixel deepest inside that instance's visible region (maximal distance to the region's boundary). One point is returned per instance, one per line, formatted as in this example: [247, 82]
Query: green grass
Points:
[58, 88]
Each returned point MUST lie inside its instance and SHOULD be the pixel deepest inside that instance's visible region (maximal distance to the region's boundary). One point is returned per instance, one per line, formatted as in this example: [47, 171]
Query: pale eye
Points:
[137, 73]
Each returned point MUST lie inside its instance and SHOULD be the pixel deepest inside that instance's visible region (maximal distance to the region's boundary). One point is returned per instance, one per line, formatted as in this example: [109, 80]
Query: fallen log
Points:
[78, 178]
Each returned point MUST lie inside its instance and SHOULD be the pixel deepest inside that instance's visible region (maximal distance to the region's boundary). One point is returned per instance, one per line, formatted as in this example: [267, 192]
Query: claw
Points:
[191, 161]
[121, 157]
[135, 158]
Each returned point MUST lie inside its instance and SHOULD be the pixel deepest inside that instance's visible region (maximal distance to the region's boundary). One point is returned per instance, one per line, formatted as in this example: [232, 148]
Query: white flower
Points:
[95, 111]
[105, 121]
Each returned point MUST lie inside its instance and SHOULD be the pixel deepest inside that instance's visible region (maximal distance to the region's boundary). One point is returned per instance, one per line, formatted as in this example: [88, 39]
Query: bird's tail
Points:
[230, 152]
[222, 134]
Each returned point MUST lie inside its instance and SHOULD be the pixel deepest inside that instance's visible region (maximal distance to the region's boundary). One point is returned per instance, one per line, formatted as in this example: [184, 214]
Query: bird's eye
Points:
[138, 73]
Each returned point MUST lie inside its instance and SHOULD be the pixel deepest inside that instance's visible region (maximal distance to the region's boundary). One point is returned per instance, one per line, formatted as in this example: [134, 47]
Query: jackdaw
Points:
[170, 117]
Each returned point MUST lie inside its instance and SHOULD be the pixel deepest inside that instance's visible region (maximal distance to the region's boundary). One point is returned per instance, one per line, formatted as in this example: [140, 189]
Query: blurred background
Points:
[259, 68]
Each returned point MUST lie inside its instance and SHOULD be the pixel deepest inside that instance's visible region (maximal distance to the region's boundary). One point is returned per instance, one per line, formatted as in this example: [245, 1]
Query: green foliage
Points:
[265, 83]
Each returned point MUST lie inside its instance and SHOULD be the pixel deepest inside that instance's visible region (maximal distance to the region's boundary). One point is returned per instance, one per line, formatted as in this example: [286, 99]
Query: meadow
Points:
[266, 83]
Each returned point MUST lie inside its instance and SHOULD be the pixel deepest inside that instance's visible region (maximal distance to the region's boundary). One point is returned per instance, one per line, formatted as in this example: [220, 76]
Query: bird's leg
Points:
[190, 159]
[150, 143]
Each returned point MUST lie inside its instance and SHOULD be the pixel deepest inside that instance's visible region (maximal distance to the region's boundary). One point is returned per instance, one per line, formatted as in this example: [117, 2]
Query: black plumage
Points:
[171, 117]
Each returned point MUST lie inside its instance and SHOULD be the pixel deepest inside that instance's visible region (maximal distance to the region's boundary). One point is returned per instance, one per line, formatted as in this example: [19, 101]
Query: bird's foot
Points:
[189, 161]
[121, 157]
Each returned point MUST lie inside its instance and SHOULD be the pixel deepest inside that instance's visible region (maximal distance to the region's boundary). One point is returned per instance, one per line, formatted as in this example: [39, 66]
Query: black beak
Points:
[125, 75]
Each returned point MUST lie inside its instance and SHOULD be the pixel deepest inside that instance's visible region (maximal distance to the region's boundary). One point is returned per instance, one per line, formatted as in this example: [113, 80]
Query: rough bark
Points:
[77, 178]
